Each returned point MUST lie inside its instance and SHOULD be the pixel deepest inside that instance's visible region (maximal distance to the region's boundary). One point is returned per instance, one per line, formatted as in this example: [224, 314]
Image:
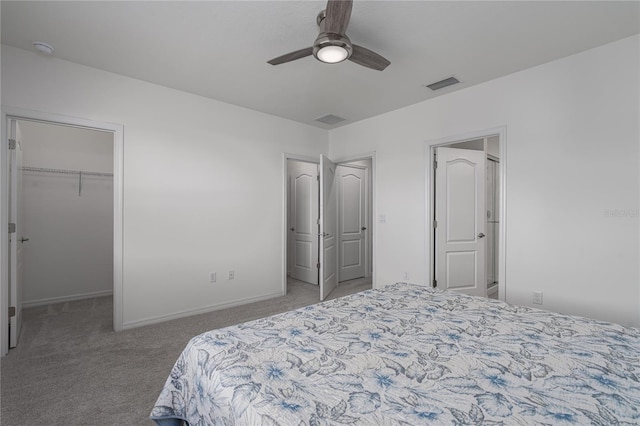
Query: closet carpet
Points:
[71, 368]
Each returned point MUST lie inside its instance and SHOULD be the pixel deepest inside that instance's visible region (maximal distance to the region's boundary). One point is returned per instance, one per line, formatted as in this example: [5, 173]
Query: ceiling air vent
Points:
[443, 83]
[330, 119]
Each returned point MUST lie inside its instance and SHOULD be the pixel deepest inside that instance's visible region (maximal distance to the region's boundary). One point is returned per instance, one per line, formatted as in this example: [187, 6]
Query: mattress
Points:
[407, 355]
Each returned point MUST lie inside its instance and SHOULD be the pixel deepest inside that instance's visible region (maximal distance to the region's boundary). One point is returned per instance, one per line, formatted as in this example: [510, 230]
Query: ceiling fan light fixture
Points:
[332, 48]
[332, 54]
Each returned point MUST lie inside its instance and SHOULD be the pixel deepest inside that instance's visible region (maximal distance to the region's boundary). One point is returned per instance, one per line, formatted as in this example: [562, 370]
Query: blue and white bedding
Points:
[407, 355]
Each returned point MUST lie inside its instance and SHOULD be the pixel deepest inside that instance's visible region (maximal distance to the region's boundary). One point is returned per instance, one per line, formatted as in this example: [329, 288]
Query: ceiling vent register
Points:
[330, 119]
[443, 83]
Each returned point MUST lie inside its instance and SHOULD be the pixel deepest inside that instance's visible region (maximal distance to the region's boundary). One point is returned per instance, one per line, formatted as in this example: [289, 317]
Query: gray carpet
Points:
[70, 368]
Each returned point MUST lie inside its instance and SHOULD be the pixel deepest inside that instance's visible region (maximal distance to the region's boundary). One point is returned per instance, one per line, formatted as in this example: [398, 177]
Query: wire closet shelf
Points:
[79, 173]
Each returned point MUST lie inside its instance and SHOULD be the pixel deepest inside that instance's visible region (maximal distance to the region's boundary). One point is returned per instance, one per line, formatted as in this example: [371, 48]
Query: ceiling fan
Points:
[332, 44]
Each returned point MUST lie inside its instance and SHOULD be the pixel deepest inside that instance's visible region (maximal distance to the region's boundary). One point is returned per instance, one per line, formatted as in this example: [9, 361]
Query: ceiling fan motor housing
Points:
[329, 39]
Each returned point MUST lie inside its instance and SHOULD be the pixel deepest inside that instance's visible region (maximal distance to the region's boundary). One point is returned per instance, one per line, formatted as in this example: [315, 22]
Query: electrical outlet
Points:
[537, 298]
[212, 277]
[232, 274]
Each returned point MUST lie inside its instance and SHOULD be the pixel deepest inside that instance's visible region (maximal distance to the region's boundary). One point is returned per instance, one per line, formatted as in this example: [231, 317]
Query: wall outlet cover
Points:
[537, 298]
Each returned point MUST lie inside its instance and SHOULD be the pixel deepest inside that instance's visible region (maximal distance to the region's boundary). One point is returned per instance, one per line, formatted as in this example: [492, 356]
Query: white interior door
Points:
[352, 207]
[16, 239]
[461, 220]
[328, 227]
[303, 230]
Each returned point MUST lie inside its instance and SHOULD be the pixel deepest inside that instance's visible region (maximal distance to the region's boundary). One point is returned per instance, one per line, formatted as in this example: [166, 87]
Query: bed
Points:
[407, 355]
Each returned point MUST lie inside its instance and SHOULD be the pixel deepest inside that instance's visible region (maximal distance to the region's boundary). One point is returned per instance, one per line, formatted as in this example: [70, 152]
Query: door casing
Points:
[118, 190]
[429, 149]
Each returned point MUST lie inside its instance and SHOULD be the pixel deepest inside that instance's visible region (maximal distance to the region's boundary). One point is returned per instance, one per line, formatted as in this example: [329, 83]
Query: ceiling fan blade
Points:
[367, 58]
[292, 56]
[338, 13]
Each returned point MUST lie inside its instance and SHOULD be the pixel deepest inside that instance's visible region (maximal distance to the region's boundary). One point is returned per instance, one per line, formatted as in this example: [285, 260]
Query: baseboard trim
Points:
[62, 299]
[203, 310]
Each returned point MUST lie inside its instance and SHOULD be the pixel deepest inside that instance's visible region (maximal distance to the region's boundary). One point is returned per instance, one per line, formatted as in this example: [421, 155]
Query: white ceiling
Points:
[219, 49]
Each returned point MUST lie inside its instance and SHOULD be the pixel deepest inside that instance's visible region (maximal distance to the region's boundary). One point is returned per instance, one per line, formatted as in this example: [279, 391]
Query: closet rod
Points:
[65, 172]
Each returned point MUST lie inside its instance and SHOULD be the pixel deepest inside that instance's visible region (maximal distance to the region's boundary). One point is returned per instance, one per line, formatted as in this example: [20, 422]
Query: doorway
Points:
[328, 211]
[466, 205]
[60, 178]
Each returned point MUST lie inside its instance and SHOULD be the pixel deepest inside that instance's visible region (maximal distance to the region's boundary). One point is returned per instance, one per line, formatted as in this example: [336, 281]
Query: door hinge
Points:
[12, 228]
[12, 311]
[435, 224]
[435, 283]
[435, 164]
[12, 144]
[318, 265]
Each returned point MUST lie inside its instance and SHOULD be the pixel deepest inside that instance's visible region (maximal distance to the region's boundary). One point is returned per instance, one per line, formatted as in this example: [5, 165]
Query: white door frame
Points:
[118, 189]
[284, 233]
[429, 148]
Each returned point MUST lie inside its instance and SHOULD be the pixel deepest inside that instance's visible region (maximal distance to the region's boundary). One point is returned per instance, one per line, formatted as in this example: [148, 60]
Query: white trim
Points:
[430, 234]
[63, 299]
[204, 310]
[118, 191]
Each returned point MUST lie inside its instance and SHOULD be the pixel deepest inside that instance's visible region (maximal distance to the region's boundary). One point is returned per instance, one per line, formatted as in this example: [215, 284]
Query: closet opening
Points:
[62, 185]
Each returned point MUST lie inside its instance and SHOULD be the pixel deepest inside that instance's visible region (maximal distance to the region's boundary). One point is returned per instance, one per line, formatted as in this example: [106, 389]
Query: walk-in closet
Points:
[67, 225]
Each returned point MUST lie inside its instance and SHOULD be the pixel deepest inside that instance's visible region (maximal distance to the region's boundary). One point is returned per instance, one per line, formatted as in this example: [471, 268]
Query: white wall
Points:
[493, 146]
[572, 156]
[203, 183]
[475, 145]
[69, 254]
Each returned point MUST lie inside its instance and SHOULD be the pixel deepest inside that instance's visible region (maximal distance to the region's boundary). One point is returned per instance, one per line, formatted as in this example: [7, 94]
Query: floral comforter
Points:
[407, 355]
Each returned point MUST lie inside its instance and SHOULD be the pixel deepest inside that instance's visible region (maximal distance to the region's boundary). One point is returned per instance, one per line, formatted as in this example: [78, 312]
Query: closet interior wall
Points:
[68, 215]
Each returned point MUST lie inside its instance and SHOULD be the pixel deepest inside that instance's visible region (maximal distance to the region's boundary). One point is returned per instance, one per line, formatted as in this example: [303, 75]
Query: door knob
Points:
[364, 228]
[23, 239]
[293, 229]
[481, 235]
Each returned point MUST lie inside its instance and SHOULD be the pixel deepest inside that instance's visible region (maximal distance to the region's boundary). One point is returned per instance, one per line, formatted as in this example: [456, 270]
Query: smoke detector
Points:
[43, 48]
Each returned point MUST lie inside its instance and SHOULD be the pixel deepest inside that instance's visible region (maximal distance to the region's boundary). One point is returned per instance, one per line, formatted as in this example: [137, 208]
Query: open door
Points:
[328, 228]
[16, 240]
[303, 190]
[460, 221]
[352, 215]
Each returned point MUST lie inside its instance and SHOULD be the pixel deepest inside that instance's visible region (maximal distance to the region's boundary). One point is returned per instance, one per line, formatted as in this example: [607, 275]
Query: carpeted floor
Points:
[70, 368]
